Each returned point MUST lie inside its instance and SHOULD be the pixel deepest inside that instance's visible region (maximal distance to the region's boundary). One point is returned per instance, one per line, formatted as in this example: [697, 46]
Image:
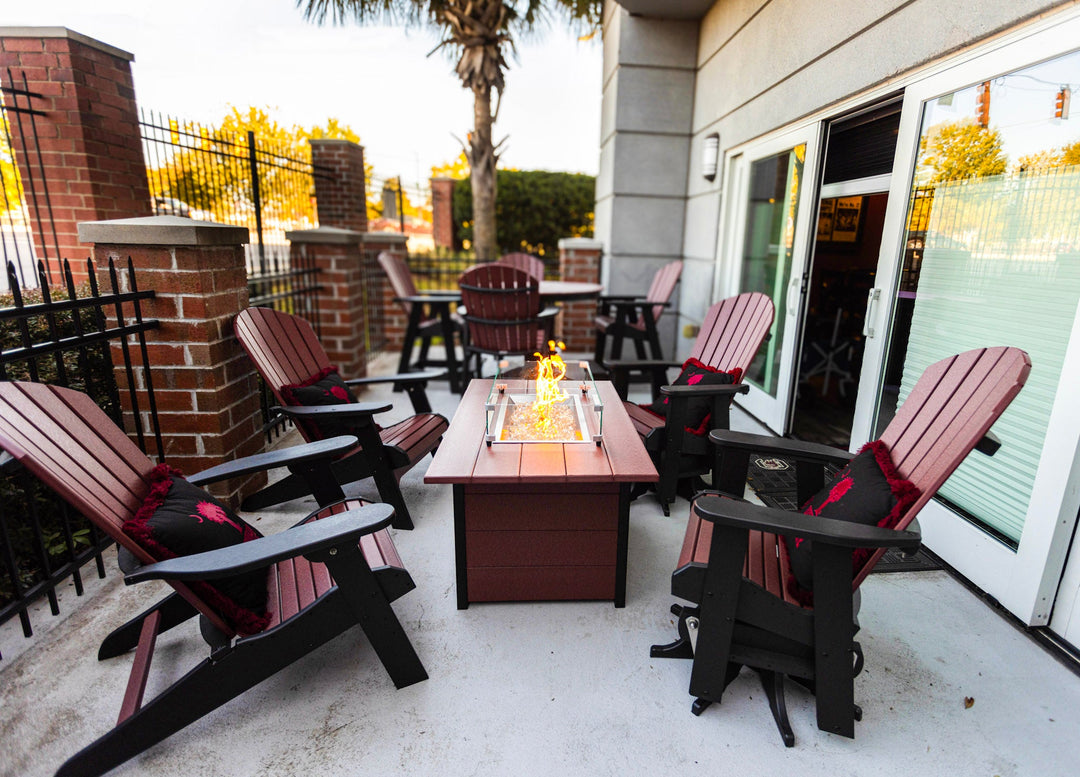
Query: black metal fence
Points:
[68, 337]
[238, 178]
[17, 239]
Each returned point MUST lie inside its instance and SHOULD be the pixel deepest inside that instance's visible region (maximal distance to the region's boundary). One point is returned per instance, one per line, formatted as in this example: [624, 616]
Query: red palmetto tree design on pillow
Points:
[838, 490]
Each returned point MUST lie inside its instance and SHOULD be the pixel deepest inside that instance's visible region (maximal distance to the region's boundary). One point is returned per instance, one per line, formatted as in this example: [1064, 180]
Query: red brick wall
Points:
[442, 209]
[579, 260]
[204, 384]
[394, 319]
[89, 136]
[340, 192]
[336, 253]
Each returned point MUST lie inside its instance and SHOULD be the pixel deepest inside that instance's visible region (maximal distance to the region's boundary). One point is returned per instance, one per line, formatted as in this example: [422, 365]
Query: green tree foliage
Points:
[534, 209]
[959, 150]
[11, 197]
[209, 173]
[478, 33]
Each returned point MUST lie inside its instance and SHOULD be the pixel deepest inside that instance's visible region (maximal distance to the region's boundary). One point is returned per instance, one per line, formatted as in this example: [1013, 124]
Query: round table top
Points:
[565, 291]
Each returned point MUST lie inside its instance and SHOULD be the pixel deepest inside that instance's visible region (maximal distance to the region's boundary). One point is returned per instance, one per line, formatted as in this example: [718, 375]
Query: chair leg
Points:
[372, 609]
[422, 358]
[773, 683]
[681, 647]
[385, 480]
[174, 610]
[598, 348]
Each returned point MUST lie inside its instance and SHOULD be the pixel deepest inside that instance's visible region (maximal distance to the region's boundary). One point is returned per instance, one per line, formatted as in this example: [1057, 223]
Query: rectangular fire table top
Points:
[463, 456]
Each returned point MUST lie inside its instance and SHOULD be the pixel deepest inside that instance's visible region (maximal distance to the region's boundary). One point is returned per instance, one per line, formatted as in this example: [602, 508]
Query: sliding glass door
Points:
[772, 185]
[982, 248]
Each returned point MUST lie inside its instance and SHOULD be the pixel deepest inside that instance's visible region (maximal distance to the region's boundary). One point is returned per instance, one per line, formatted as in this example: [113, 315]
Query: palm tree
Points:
[478, 32]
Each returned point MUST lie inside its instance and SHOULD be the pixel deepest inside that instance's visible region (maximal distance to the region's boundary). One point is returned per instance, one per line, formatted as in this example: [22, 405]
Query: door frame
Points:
[1024, 581]
[774, 412]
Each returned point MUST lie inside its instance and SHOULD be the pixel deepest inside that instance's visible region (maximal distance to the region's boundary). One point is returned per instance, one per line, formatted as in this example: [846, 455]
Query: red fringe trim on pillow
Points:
[243, 620]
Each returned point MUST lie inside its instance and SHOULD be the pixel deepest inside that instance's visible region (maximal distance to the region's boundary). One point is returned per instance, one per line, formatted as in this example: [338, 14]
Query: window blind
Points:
[1001, 267]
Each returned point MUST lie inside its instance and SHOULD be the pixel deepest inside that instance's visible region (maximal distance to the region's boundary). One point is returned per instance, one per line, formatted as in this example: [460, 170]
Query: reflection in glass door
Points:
[772, 259]
[992, 257]
[981, 247]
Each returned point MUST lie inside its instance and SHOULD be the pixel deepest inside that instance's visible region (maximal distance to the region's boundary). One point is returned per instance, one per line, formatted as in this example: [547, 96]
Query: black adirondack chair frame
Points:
[735, 621]
[360, 595]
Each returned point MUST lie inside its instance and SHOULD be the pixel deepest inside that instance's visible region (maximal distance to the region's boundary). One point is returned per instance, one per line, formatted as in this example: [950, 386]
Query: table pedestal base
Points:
[536, 542]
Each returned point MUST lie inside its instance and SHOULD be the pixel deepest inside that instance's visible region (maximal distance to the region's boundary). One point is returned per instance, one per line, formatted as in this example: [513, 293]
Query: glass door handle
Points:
[871, 298]
[794, 286]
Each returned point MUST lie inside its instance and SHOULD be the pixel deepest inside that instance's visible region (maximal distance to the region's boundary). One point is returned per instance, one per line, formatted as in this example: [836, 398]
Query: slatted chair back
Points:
[949, 410]
[283, 347]
[663, 286]
[75, 449]
[733, 331]
[502, 306]
[533, 265]
[400, 277]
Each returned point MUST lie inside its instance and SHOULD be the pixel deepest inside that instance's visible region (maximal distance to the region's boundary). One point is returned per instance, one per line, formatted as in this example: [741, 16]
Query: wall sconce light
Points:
[712, 156]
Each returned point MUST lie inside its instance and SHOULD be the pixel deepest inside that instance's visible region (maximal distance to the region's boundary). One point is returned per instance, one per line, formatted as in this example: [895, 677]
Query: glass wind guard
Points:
[516, 417]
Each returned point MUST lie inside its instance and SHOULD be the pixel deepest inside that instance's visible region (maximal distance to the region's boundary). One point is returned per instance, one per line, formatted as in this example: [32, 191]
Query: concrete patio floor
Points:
[563, 688]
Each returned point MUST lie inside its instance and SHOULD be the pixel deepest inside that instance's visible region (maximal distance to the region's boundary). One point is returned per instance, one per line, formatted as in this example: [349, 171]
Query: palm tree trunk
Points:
[482, 162]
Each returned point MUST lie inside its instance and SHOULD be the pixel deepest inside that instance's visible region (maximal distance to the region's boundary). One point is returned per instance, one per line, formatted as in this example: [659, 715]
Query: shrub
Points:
[534, 209]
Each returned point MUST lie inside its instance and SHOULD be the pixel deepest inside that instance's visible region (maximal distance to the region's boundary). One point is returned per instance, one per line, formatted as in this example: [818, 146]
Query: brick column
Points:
[442, 212]
[391, 313]
[205, 386]
[340, 193]
[579, 260]
[336, 253]
[87, 135]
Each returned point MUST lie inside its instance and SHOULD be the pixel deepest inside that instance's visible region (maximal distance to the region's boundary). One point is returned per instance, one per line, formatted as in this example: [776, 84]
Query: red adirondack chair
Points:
[756, 615]
[503, 313]
[729, 340]
[428, 315]
[635, 318]
[324, 576]
[533, 265]
[287, 353]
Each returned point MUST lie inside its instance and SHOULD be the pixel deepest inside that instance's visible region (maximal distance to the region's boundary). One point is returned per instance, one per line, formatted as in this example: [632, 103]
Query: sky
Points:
[195, 59]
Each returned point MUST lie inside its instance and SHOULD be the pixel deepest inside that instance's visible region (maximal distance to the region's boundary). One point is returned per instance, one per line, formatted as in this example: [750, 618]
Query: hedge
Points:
[534, 209]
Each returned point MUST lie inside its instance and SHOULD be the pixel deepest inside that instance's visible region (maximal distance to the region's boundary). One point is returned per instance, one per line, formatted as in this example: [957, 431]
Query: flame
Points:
[549, 371]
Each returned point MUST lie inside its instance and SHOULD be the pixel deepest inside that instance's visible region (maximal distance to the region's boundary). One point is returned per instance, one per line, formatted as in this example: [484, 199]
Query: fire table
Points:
[540, 520]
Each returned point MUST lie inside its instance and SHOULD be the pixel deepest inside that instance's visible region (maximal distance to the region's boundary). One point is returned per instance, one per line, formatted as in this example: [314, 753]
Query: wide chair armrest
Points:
[733, 450]
[621, 370]
[297, 454]
[779, 446]
[404, 377]
[439, 297]
[828, 531]
[334, 531]
[705, 390]
[638, 303]
[323, 412]
[413, 383]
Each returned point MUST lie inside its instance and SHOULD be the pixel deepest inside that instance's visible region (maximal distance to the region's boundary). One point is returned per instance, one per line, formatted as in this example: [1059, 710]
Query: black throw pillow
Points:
[868, 491]
[179, 519]
[323, 388]
[698, 409]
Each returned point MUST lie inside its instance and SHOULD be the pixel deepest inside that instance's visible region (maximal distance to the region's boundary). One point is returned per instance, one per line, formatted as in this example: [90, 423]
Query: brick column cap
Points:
[442, 178]
[161, 231]
[384, 237]
[333, 141]
[325, 235]
[580, 244]
[64, 32]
